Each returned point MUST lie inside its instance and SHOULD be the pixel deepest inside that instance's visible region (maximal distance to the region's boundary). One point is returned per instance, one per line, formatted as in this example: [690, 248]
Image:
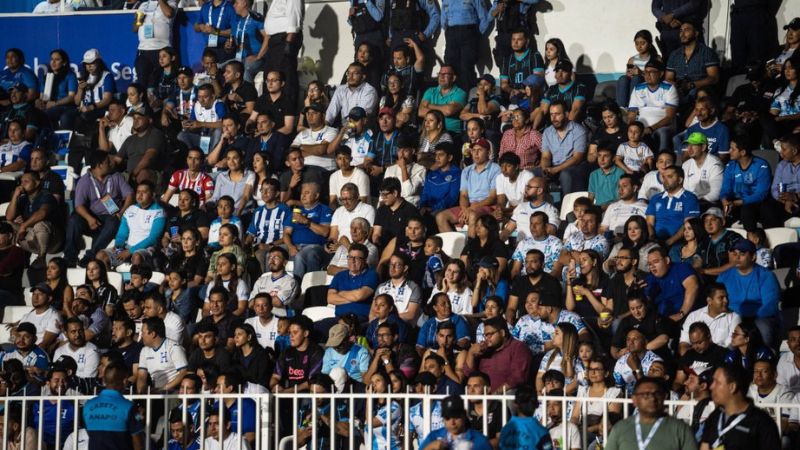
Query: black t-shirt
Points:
[246, 91]
[603, 139]
[32, 116]
[12, 262]
[714, 356]
[27, 206]
[548, 285]
[135, 146]
[393, 223]
[617, 290]
[651, 326]
[130, 354]
[583, 307]
[474, 252]
[192, 266]
[295, 367]
[573, 92]
[224, 326]
[715, 254]
[494, 419]
[309, 174]
[275, 147]
[757, 431]
[283, 106]
[195, 219]
[416, 272]
[221, 359]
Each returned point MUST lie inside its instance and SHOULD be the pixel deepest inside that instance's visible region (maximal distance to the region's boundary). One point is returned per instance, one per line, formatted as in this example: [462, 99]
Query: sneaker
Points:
[39, 263]
[84, 261]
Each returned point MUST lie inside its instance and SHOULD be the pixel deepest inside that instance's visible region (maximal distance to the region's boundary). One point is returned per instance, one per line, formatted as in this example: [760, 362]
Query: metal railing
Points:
[274, 412]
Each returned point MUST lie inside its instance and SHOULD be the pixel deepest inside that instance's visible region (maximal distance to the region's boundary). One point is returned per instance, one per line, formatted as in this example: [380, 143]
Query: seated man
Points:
[643, 317]
[203, 128]
[351, 291]
[84, 353]
[446, 97]
[306, 231]
[653, 181]
[668, 211]
[348, 174]
[412, 75]
[753, 291]
[193, 178]
[239, 95]
[635, 364]
[278, 101]
[298, 174]
[356, 92]
[521, 63]
[693, 65]
[314, 140]
[703, 352]
[618, 212]
[654, 103]
[139, 231]
[406, 293]
[280, 287]
[410, 173]
[161, 361]
[266, 229]
[141, 152]
[392, 215]
[564, 145]
[351, 209]
[32, 212]
[535, 201]
[745, 182]
[586, 238]
[341, 352]
[15, 153]
[357, 135]
[114, 128]
[567, 91]
[671, 286]
[442, 184]
[789, 362]
[33, 358]
[266, 140]
[716, 250]
[478, 191]
[392, 354]
[511, 186]
[716, 315]
[712, 128]
[549, 245]
[359, 234]
[155, 305]
[506, 360]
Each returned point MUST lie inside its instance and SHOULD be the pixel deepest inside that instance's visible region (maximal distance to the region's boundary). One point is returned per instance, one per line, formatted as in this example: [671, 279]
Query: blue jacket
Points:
[750, 185]
[753, 295]
[441, 189]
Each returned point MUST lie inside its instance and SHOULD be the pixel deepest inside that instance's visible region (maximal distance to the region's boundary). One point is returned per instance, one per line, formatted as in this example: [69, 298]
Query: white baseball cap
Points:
[91, 56]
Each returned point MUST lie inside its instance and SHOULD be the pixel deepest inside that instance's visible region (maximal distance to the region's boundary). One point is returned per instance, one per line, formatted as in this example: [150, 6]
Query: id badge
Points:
[149, 32]
[205, 143]
[109, 204]
[212, 40]
[240, 55]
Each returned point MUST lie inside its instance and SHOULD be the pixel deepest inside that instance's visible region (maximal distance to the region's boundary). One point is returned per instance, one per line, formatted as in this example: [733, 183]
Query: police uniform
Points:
[753, 31]
[111, 420]
[514, 17]
[464, 22]
[366, 22]
[684, 11]
[406, 20]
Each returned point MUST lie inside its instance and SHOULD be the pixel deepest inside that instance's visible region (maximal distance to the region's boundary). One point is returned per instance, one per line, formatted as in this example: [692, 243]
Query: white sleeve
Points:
[178, 357]
[92, 361]
[362, 181]
[330, 134]
[715, 182]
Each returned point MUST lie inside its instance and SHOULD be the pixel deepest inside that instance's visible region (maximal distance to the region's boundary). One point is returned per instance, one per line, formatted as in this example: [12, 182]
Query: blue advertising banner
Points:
[109, 32]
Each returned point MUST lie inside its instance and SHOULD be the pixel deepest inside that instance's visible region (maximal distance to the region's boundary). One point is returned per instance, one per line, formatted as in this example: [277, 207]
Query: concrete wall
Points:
[598, 34]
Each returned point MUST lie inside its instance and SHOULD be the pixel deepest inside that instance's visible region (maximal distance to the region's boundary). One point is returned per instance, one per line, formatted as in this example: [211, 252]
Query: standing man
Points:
[405, 21]
[246, 38]
[113, 422]
[365, 16]
[651, 423]
[464, 22]
[670, 14]
[153, 24]
[753, 30]
[284, 29]
[511, 16]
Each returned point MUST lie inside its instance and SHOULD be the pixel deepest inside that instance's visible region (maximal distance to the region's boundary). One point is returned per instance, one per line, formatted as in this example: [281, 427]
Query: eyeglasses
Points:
[489, 334]
[354, 258]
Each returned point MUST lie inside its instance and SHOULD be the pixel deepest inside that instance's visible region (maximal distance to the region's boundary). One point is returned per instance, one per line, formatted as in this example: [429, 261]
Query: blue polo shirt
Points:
[574, 141]
[476, 184]
[302, 234]
[111, 420]
[51, 417]
[667, 292]
[671, 211]
[695, 67]
[345, 281]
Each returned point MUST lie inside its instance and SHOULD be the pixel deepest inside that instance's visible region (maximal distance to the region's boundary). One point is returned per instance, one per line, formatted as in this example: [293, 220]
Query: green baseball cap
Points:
[696, 138]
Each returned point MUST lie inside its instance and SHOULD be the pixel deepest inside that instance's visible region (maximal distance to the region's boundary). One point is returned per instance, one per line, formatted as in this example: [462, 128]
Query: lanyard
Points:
[97, 188]
[721, 432]
[241, 30]
[219, 18]
[643, 444]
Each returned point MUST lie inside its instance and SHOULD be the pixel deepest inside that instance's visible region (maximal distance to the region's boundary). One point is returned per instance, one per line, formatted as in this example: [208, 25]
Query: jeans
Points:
[625, 86]
[252, 67]
[192, 138]
[663, 138]
[770, 328]
[77, 227]
[309, 258]
[461, 51]
[146, 62]
[282, 55]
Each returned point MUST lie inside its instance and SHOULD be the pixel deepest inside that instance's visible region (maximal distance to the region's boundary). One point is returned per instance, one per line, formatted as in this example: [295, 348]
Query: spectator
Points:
[442, 312]
[652, 183]
[227, 275]
[432, 134]
[355, 178]
[523, 140]
[266, 228]
[634, 156]
[488, 283]
[567, 91]
[694, 65]
[203, 127]
[264, 323]
[716, 315]
[155, 305]
[789, 363]
[563, 358]
[618, 214]
[535, 200]
[342, 353]
[405, 292]
[506, 360]
[483, 108]
[454, 283]
[138, 233]
[54, 410]
[637, 65]
[385, 144]
[585, 238]
[457, 429]
[16, 73]
[716, 133]
[563, 148]
[667, 212]
[111, 418]
[410, 173]
[640, 315]
[15, 154]
[154, 26]
[299, 173]
[703, 170]
[239, 94]
[12, 266]
[280, 287]
[409, 68]
[123, 334]
[534, 278]
[95, 88]
[306, 231]
[84, 353]
[314, 140]
[520, 63]
[609, 134]
[603, 180]
[564, 436]
[441, 187]
[298, 363]
[277, 102]
[673, 287]
[393, 215]
[351, 291]
[524, 428]
[219, 315]
[392, 353]
[511, 186]
[702, 353]
[230, 439]
[635, 364]
[142, 150]
[359, 234]
[114, 128]
[745, 182]
[548, 245]
[32, 212]
[33, 358]
[478, 384]
[784, 200]
[161, 360]
[654, 103]
[766, 390]
[448, 97]
[356, 92]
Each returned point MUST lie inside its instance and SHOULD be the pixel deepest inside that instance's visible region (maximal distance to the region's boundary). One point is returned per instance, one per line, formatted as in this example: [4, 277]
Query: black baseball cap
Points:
[794, 24]
[185, 70]
[27, 327]
[564, 64]
[315, 107]
[452, 407]
[655, 64]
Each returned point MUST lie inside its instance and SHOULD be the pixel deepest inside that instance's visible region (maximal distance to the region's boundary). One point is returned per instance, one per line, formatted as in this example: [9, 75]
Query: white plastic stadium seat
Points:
[115, 279]
[76, 276]
[568, 201]
[317, 313]
[157, 278]
[793, 222]
[453, 243]
[778, 236]
[67, 174]
[311, 279]
[3, 209]
[740, 231]
[14, 313]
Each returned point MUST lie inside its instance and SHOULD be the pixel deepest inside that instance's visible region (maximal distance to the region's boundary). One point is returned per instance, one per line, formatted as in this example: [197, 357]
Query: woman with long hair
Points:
[384, 412]
[165, 78]
[237, 182]
[394, 96]
[563, 358]
[135, 96]
[598, 374]
[484, 241]
[493, 308]
[384, 310]
[610, 134]
[431, 134]
[554, 51]
[634, 73]
[56, 277]
[474, 129]
[440, 312]
[786, 107]
[189, 259]
[636, 239]
[488, 283]
[747, 346]
[227, 276]
[96, 87]
[455, 284]
[262, 170]
[59, 100]
[688, 249]
[254, 362]
[315, 94]
[106, 295]
[584, 289]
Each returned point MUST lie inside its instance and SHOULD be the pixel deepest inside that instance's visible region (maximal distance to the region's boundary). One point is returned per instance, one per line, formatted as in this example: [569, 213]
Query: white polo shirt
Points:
[342, 217]
[87, 358]
[514, 191]
[721, 326]
[163, 363]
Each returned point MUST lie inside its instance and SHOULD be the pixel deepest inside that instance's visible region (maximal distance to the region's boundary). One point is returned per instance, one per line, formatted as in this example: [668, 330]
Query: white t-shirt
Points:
[48, 321]
[266, 334]
[87, 358]
[721, 326]
[705, 182]
[358, 177]
[284, 287]
[595, 408]
[779, 394]
[460, 303]
[163, 363]
[573, 438]
[651, 104]
[789, 373]
[514, 191]
[156, 30]
[411, 188]
[83, 440]
[619, 212]
[651, 185]
[119, 133]
[307, 137]
[342, 217]
[242, 292]
[232, 442]
[634, 157]
[46, 7]
[174, 326]
[522, 216]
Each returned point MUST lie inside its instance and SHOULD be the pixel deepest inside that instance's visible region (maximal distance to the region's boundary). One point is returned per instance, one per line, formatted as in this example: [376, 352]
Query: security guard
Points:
[406, 21]
[112, 421]
[464, 22]
[753, 31]
[510, 15]
[365, 17]
[671, 14]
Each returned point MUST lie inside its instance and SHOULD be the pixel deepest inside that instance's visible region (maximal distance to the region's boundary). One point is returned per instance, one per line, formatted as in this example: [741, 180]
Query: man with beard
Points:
[564, 145]
[534, 278]
[626, 278]
[280, 287]
[535, 201]
[549, 245]
[143, 150]
[627, 206]
[478, 384]
[694, 64]
[506, 360]
[391, 354]
[84, 353]
[123, 332]
[667, 212]
[715, 132]
[54, 411]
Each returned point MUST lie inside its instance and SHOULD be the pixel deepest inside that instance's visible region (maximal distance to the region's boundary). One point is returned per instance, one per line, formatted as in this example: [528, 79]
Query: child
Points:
[140, 284]
[578, 208]
[178, 296]
[434, 268]
[763, 253]
[603, 180]
[282, 340]
[225, 215]
[585, 353]
[634, 155]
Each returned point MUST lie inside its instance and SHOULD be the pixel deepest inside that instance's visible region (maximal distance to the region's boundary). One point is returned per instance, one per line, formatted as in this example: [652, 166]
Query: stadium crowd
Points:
[216, 197]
